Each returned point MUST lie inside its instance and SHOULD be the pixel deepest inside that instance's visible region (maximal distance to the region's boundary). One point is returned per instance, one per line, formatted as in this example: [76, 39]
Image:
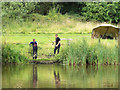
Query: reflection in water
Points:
[34, 76]
[57, 79]
[58, 76]
[91, 69]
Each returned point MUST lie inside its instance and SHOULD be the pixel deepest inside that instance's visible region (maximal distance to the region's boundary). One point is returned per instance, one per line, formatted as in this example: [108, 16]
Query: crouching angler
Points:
[35, 48]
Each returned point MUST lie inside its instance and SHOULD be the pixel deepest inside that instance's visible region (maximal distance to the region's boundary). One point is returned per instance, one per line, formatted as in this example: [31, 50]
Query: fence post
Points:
[119, 57]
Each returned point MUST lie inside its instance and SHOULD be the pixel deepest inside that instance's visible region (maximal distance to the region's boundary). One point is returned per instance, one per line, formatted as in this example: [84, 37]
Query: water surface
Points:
[59, 76]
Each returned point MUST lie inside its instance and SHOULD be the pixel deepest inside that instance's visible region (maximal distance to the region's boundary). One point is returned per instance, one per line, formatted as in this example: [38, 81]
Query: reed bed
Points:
[90, 52]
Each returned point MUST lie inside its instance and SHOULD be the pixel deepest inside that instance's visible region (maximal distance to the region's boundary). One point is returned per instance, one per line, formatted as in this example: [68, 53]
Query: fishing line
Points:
[48, 37]
[50, 40]
[49, 54]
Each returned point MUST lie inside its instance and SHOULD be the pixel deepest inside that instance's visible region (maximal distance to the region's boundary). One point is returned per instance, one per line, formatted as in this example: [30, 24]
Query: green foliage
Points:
[97, 11]
[54, 14]
[17, 10]
[43, 7]
[102, 11]
[71, 7]
[81, 52]
[11, 55]
[52, 23]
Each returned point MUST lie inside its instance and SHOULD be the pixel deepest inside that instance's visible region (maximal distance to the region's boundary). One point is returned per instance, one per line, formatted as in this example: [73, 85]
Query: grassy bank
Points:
[77, 51]
[90, 52]
[17, 35]
[57, 23]
[20, 42]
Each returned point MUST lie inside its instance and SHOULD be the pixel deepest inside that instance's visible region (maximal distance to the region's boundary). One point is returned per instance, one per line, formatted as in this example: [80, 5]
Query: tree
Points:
[17, 10]
[102, 11]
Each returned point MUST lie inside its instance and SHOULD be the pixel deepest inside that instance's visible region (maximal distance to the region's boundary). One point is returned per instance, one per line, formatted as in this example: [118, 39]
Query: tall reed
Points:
[89, 52]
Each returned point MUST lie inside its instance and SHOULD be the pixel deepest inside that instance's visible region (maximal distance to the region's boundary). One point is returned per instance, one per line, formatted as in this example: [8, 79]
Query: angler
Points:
[57, 45]
[35, 48]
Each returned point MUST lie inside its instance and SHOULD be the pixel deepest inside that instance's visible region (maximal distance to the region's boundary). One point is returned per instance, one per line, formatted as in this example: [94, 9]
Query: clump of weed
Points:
[11, 55]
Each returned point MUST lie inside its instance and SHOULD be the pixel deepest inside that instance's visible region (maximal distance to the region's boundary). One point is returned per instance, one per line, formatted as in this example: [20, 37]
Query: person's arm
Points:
[54, 41]
[30, 43]
[58, 44]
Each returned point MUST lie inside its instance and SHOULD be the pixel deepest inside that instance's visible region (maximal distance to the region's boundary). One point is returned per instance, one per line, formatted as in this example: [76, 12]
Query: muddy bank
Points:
[44, 61]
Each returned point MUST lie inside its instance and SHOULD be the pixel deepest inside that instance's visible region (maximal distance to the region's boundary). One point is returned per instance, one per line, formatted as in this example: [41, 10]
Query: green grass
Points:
[18, 34]
[56, 23]
[45, 47]
[90, 51]
[80, 48]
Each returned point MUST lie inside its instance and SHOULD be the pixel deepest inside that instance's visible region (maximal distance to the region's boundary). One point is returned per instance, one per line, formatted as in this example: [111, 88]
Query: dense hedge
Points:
[98, 11]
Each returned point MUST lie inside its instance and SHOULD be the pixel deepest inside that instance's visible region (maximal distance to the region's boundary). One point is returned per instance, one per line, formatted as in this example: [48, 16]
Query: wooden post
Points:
[119, 55]
[119, 38]
[99, 40]
[119, 46]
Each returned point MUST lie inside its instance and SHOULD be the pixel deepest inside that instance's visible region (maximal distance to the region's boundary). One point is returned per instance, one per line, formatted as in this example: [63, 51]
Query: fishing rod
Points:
[54, 41]
[20, 43]
[50, 40]
[50, 53]
[25, 44]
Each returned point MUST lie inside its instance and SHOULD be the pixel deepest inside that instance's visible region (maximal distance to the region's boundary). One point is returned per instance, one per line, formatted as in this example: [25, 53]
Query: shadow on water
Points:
[35, 79]
[57, 79]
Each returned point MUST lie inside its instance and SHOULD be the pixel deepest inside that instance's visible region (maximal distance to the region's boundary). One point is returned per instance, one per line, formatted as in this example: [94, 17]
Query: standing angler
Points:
[57, 45]
[34, 44]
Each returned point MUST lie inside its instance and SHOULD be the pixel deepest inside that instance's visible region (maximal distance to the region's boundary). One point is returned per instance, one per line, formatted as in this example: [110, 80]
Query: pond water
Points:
[59, 76]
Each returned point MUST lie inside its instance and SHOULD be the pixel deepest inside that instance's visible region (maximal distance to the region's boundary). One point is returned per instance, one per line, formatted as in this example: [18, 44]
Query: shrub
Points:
[11, 55]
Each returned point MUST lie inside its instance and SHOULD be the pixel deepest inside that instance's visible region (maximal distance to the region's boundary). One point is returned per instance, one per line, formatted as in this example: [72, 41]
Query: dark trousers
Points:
[34, 53]
[56, 49]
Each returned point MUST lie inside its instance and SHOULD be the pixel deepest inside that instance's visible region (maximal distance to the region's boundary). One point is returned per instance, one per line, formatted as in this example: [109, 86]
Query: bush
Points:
[11, 55]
